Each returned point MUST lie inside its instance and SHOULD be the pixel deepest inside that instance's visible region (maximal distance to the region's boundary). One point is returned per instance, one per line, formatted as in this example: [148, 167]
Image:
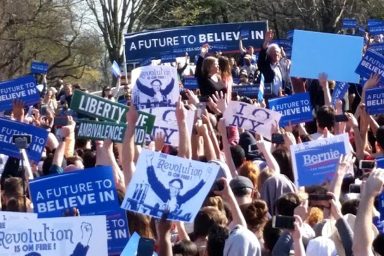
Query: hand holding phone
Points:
[283, 222]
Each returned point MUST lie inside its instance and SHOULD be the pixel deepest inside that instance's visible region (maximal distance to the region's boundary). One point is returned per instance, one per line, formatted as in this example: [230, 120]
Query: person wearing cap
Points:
[243, 77]
[242, 188]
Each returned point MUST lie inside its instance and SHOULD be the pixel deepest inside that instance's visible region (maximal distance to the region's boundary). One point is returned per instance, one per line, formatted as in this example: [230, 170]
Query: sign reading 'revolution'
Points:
[104, 109]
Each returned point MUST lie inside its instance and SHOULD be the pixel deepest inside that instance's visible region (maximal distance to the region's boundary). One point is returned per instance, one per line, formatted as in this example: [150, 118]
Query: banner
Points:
[376, 29]
[349, 23]
[190, 82]
[339, 91]
[83, 235]
[169, 182]
[333, 54]
[374, 101]
[374, 22]
[155, 86]
[179, 40]
[96, 130]
[39, 67]
[23, 88]
[246, 90]
[166, 123]
[9, 128]
[378, 47]
[315, 162]
[251, 118]
[99, 107]
[296, 108]
[92, 191]
[372, 62]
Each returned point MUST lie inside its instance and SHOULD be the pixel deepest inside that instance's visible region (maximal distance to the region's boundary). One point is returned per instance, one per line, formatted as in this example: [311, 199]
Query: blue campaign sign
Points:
[92, 191]
[290, 34]
[374, 101]
[39, 67]
[349, 23]
[378, 47]
[22, 88]
[374, 22]
[179, 40]
[295, 108]
[190, 83]
[246, 90]
[335, 55]
[339, 92]
[315, 162]
[372, 62]
[376, 29]
[38, 139]
[286, 44]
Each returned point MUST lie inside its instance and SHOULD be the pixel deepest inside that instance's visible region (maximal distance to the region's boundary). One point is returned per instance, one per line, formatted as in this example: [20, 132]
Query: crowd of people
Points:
[254, 207]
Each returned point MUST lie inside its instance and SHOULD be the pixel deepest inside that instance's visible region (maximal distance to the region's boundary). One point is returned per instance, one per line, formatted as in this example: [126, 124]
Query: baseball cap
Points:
[240, 182]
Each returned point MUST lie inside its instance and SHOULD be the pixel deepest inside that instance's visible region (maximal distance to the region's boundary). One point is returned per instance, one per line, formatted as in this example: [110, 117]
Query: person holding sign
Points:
[207, 75]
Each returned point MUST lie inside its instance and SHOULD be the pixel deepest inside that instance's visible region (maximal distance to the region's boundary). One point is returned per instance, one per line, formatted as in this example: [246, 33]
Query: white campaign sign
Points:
[166, 124]
[85, 235]
[164, 182]
[155, 86]
[251, 118]
[15, 216]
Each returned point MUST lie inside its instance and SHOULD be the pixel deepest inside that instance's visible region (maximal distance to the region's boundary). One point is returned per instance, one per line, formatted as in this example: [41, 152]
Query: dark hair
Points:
[177, 180]
[89, 158]
[224, 66]
[287, 203]
[47, 164]
[350, 206]
[283, 158]
[325, 117]
[216, 240]
[378, 244]
[185, 248]
[15, 204]
[270, 235]
[380, 137]
[205, 219]
[238, 155]
[255, 214]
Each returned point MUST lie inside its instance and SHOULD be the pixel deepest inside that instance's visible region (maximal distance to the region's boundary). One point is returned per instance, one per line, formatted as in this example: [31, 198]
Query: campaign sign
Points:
[166, 123]
[83, 235]
[155, 86]
[39, 67]
[99, 107]
[378, 47]
[374, 22]
[100, 130]
[372, 62]
[92, 191]
[9, 128]
[349, 23]
[335, 55]
[172, 183]
[339, 91]
[376, 29]
[179, 40]
[294, 109]
[374, 101]
[286, 44]
[22, 88]
[251, 118]
[190, 83]
[15, 216]
[246, 90]
[315, 162]
[115, 69]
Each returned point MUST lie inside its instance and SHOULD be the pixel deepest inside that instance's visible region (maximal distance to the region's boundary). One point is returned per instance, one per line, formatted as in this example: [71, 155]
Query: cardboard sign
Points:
[9, 128]
[315, 162]
[296, 108]
[177, 41]
[92, 191]
[83, 235]
[374, 101]
[169, 182]
[23, 88]
[339, 91]
[166, 123]
[349, 23]
[15, 216]
[251, 118]
[372, 62]
[246, 90]
[155, 86]
[98, 107]
[39, 67]
[115, 69]
[335, 55]
[97, 130]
